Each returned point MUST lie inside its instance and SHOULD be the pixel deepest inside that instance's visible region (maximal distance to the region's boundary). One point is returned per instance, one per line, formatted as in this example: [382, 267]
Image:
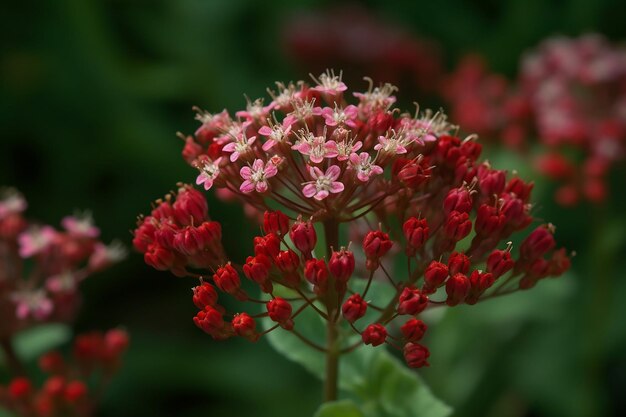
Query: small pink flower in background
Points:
[394, 145]
[323, 183]
[104, 256]
[209, 171]
[329, 83]
[256, 176]
[81, 226]
[255, 111]
[34, 303]
[36, 240]
[11, 202]
[364, 166]
[64, 282]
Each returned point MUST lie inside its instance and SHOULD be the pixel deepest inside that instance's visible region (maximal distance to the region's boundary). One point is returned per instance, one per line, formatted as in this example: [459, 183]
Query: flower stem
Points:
[331, 232]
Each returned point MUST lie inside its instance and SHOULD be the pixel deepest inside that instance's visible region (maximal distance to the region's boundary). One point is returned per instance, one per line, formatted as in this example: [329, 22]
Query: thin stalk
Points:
[331, 231]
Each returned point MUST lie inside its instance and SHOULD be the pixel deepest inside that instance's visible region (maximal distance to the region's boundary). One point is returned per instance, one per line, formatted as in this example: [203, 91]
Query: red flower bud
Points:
[341, 264]
[414, 173]
[191, 150]
[415, 355]
[559, 263]
[315, 272]
[538, 243]
[116, 341]
[209, 320]
[20, 388]
[458, 263]
[287, 261]
[279, 311]
[416, 233]
[459, 200]
[268, 245]
[354, 308]
[52, 363]
[489, 220]
[244, 326]
[491, 182]
[374, 334]
[192, 240]
[413, 330]
[159, 258]
[275, 222]
[54, 386]
[376, 244]
[515, 211]
[457, 288]
[204, 295]
[75, 391]
[479, 283]
[499, 262]
[303, 236]
[190, 206]
[227, 279]
[412, 301]
[519, 188]
[457, 226]
[257, 268]
[434, 276]
[471, 149]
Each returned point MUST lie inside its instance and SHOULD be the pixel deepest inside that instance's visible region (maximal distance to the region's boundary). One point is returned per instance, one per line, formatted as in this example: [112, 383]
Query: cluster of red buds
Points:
[72, 387]
[368, 45]
[571, 94]
[402, 185]
[41, 267]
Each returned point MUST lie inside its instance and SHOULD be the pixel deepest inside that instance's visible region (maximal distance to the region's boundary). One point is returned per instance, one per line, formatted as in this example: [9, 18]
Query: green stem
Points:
[331, 232]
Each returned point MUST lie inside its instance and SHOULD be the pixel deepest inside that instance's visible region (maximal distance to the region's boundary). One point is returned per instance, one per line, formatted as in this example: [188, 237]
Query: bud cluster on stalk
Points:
[41, 267]
[69, 388]
[402, 186]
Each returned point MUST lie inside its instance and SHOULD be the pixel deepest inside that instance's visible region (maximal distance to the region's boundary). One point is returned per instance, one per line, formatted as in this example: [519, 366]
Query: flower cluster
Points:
[425, 216]
[41, 267]
[68, 389]
[571, 94]
[367, 45]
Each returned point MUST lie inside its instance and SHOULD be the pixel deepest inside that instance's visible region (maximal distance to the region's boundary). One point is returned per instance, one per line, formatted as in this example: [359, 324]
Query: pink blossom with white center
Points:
[302, 110]
[283, 99]
[81, 226]
[394, 145]
[347, 148]
[337, 116]
[234, 130]
[377, 98]
[209, 171]
[364, 166]
[256, 176]
[323, 183]
[315, 147]
[36, 240]
[329, 83]
[61, 283]
[255, 111]
[275, 134]
[32, 304]
[212, 122]
[11, 202]
[106, 255]
[239, 146]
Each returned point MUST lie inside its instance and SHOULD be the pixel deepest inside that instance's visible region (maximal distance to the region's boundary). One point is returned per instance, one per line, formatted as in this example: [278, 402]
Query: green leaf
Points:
[33, 342]
[344, 408]
[372, 377]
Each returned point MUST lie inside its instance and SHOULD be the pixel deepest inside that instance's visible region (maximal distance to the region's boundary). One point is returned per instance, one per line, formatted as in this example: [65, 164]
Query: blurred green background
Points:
[92, 94]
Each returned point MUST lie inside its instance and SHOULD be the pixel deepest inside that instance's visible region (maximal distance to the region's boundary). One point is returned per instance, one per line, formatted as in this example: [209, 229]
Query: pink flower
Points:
[347, 148]
[32, 303]
[323, 183]
[338, 116]
[364, 166]
[315, 147]
[36, 240]
[239, 146]
[106, 255]
[394, 145]
[81, 226]
[256, 176]
[255, 111]
[377, 98]
[209, 171]
[61, 283]
[329, 83]
[275, 134]
[11, 202]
